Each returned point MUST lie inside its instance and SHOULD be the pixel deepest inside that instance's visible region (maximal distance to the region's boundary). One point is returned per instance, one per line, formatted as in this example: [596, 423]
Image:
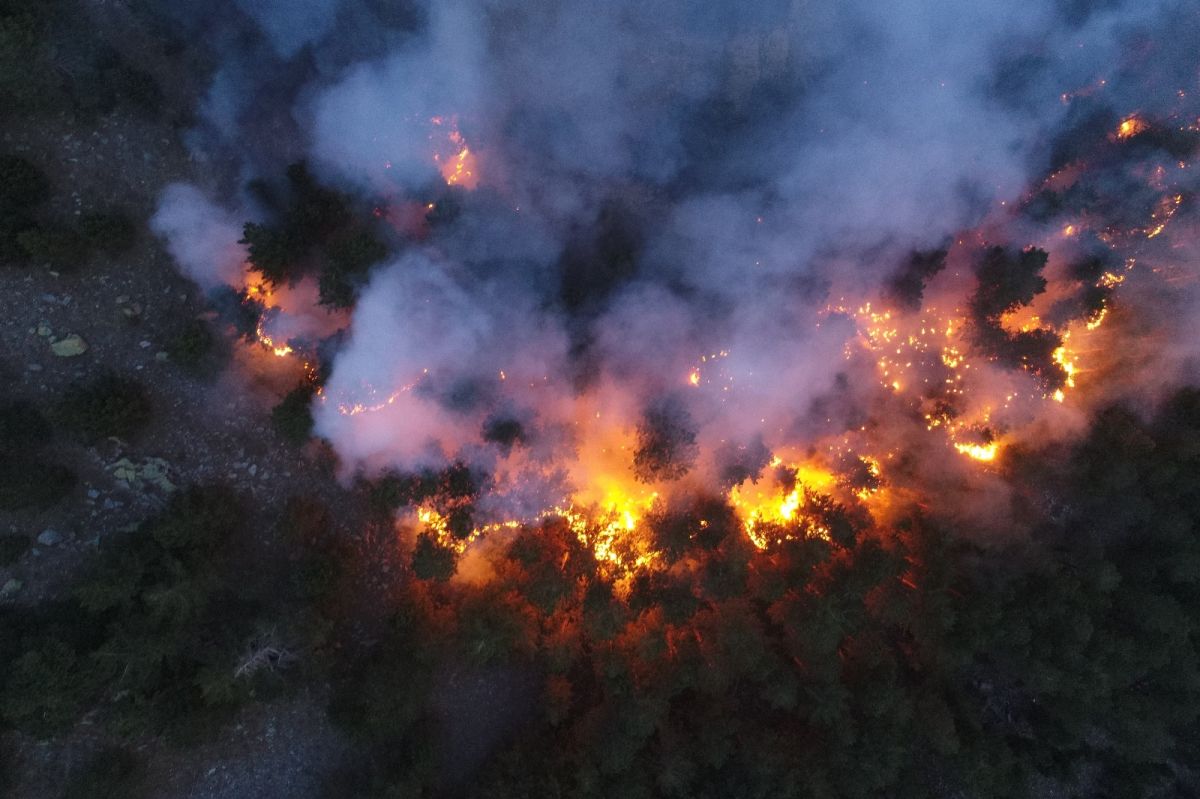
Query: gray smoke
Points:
[656, 183]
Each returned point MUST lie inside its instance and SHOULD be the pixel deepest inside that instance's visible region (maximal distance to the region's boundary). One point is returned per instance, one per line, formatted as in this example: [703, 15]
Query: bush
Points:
[666, 443]
[12, 547]
[26, 76]
[108, 406]
[134, 86]
[22, 427]
[112, 773]
[33, 483]
[191, 348]
[59, 246]
[43, 692]
[172, 618]
[431, 560]
[347, 260]
[292, 417]
[23, 186]
[110, 233]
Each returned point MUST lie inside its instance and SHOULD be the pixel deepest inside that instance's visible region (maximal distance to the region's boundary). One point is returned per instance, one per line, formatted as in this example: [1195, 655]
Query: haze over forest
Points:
[496, 399]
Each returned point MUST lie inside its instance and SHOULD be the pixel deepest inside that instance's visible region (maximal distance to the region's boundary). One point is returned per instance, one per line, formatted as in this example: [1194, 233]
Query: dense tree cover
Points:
[901, 662]
[846, 661]
[163, 634]
[147, 630]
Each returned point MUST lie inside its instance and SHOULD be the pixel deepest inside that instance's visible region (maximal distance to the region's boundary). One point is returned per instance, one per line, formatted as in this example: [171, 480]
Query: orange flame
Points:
[457, 163]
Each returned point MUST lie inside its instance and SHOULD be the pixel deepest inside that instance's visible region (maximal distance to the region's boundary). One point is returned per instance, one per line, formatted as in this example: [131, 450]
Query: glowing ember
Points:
[260, 292]
[1131, 126]
[1163, 214]
[455, 159]
[979, 452]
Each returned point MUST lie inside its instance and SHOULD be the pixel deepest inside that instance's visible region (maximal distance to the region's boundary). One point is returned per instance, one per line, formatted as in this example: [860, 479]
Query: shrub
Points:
[666, 443]
[59, 246]
[111, 405]
[32, 483]
[112, 773]
[172, 619]
[292, 417]
[23, 186]
[26, 77]
[134, 86]
[191, 348]
[347, 260]
[111, 233]
[12, 547]
[431, 560]
[43, 692]
[22, 427]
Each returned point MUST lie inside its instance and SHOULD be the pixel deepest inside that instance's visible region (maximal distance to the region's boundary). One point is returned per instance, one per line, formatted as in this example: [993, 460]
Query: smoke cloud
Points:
[668, 204]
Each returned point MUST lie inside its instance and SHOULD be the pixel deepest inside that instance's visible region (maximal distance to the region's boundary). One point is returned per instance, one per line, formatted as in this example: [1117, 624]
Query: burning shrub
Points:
[431, 560]
[272, 251]
[111, 405]
[666, 443]
[308, 216]
[292, 417]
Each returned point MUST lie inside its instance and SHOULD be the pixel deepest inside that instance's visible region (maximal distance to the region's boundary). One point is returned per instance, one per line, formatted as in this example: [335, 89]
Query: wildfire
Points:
[1131, 126]
[455, 159]
[930, 358]
[979, 452]
[1163, 213]
[360, 406]
[612, 533]
[775, 508]
[260, 292]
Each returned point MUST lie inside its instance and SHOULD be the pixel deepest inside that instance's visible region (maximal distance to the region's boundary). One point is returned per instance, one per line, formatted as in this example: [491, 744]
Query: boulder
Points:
[49, 537]
[69, 346]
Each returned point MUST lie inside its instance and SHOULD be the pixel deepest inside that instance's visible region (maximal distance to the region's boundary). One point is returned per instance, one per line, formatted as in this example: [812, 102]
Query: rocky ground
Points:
[58, 327]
